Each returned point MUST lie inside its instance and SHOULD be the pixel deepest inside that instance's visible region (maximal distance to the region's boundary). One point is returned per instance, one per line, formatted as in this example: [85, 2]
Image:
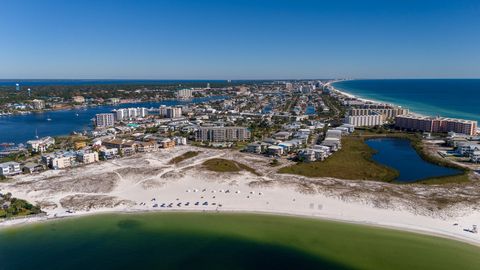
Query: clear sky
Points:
[239, 39]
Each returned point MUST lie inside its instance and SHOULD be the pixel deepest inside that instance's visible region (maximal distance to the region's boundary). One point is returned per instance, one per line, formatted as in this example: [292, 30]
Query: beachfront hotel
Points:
[435, 124]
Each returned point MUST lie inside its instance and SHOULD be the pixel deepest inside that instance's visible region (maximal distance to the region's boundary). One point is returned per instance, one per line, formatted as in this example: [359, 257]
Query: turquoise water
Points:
[400, 155]
[223, 241]
[151, 241]
[458, 98]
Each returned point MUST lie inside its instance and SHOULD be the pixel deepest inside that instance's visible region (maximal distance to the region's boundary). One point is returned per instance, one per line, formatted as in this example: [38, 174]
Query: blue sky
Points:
[238, 39]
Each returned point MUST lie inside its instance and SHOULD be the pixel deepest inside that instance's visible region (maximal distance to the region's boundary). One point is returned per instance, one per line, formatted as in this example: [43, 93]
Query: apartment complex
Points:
[222, 134]
[435, 124]
[130, 113]
[369, 120]
[170, 112]
[386, 110]
[185, 93]
[105, 120]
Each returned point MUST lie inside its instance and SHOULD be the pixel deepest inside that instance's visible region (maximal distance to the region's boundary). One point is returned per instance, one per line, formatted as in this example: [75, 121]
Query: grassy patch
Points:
[185, 156]
[353, 161]
[16, 207]
[452, 179]
[225, 165]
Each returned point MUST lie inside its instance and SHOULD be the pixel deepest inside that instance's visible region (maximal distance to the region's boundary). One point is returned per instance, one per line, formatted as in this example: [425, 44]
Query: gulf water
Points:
[458, 98]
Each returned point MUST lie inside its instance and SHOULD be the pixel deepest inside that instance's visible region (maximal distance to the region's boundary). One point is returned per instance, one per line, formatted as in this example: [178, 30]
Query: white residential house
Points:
[275, 150]
[475, 157]
[254, 148]
[40, 145]
[10, 168]
[467, 148]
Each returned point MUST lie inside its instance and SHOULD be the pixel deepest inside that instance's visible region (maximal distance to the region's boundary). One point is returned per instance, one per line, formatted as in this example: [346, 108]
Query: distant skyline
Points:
[239, 39]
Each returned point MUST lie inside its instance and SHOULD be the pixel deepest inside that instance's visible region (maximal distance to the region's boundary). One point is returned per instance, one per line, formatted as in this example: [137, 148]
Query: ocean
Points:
[458, 98]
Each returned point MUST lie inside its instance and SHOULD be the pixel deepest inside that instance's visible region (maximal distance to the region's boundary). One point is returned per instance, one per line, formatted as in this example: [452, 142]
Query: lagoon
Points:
[21, 128]
[224, 241]
[399, 154]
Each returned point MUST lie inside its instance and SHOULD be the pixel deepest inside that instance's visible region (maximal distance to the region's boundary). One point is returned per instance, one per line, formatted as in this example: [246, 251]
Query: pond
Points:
[400, 155]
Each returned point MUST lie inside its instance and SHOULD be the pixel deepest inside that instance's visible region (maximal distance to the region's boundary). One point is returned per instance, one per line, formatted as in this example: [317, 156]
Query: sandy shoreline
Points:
[135, 184]
[358, 97]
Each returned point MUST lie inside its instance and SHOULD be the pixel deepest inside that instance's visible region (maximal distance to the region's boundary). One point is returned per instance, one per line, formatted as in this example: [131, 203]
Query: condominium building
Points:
[369, 120]
[386, 110]
[105, 120]
[170, 112]
[60, 159]
[222, 134]
[435, 124]
[130, 113]
[87, 157]
[185, 93]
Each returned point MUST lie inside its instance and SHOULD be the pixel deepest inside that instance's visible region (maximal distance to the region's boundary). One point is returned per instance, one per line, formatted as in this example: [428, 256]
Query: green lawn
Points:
[225, 241]
[226, 165]
[353, 161]
[185, 156]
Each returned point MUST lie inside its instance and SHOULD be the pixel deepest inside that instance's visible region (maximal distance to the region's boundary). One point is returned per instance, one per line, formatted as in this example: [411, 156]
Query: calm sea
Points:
[21, 128]
[458, 98]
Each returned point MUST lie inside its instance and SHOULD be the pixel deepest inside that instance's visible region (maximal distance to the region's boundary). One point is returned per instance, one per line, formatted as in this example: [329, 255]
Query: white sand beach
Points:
[147, 182]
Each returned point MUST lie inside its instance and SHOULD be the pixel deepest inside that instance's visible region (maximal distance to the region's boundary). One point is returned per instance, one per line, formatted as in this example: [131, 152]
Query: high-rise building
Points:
[369, 120]
[185, 93]
[170, 112]
[435, 124]
[130, 113]
[387, 110]
[104, 120]
[222, 134]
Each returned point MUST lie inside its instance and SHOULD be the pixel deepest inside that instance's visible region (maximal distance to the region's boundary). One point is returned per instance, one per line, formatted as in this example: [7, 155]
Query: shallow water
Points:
[223, 241]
